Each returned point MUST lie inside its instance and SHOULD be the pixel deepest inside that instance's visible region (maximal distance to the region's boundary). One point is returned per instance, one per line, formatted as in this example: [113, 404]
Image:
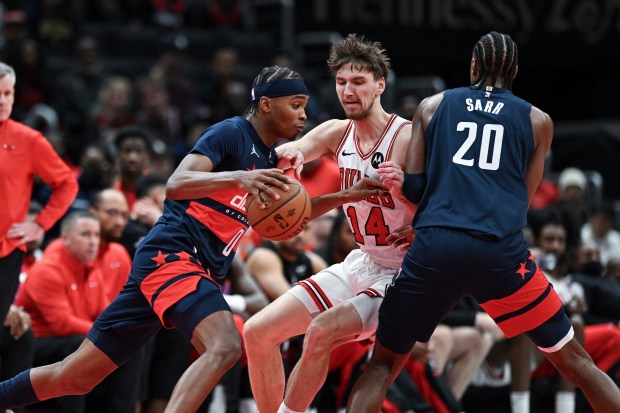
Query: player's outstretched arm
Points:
[361, 190]
[321, 140]
[193, 179]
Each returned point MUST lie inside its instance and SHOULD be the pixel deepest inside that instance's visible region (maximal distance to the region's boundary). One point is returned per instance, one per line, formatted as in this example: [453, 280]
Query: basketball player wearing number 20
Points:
[340, 304]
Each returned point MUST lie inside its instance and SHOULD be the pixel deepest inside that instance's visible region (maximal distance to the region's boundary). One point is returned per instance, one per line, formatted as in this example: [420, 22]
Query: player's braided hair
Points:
[362, 54]
[496, 55]
[267, 75]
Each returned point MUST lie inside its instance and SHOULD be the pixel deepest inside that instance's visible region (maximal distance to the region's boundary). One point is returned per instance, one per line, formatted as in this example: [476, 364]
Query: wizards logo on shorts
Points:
[377, 158]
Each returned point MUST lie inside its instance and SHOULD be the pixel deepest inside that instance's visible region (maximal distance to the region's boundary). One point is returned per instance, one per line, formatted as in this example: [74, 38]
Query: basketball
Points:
[283, 218]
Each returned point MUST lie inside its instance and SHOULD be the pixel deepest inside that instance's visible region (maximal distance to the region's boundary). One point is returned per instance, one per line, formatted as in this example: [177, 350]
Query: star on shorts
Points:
[160, 259]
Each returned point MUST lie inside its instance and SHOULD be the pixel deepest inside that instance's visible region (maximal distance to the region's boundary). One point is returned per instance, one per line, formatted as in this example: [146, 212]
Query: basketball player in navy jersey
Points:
[475, 159]
[178, 266]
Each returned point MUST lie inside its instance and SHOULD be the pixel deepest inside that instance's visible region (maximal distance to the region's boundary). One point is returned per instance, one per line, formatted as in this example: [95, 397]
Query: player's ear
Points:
[473, 70]
[516, 71]
[265, 104]
[380, 86]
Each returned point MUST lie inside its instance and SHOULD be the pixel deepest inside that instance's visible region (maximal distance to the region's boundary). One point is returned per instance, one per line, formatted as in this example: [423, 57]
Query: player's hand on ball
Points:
[263, 180]
[401, 238]
[364, 188]
[392, 176]
[290, 158]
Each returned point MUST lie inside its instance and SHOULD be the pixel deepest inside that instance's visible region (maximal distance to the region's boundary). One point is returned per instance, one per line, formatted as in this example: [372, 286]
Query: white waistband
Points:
[392, 264]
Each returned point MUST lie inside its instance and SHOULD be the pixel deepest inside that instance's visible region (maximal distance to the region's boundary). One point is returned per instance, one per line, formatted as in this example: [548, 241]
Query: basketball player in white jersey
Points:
[339, 304]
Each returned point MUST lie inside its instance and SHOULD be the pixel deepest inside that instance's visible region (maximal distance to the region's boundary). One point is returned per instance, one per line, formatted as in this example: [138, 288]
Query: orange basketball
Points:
[283, 218]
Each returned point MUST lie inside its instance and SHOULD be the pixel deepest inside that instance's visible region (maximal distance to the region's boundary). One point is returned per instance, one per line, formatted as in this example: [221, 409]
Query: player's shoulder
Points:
[432, 102]
[427, 108]
[539, 116]
[542, 125]
[231, 125]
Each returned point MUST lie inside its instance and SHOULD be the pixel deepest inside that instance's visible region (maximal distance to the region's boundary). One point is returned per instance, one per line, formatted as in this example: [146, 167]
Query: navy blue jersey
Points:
[216, 223]
[477, 151]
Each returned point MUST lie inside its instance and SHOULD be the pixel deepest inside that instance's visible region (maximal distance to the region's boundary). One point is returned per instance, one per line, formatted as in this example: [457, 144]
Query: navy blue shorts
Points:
[129, 322]
[443, 264]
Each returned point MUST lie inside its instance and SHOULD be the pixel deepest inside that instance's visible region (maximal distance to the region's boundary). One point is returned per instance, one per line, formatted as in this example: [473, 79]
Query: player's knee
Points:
[250, 333]
[321, 334]
[257, 333]
[227, 351]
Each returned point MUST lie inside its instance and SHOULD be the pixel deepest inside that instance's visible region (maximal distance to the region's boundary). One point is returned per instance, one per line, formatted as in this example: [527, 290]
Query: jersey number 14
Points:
[497, 131]
[375, 226]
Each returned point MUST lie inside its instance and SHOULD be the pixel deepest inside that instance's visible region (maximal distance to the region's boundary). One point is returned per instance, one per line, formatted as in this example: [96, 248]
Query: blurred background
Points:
[87, 68]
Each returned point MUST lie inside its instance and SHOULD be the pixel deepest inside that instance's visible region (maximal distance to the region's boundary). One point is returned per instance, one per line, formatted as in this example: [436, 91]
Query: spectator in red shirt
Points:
[24, 154]
[64, 294]
[133, 156]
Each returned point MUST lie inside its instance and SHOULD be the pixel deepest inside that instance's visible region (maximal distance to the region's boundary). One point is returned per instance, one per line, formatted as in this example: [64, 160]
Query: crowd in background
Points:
[122, 134]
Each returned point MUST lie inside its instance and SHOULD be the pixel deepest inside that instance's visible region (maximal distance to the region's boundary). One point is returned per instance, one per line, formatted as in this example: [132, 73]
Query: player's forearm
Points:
[327, 202]
[309, 149]
[196, 185]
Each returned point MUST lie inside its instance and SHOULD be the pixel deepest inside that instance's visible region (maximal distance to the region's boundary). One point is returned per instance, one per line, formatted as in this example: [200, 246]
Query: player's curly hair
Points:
[496, 55]
[362, 54]
[267, 75]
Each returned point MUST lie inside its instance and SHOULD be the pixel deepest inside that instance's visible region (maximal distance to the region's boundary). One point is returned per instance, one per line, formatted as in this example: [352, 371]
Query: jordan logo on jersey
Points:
[377, 158]
[254, 151]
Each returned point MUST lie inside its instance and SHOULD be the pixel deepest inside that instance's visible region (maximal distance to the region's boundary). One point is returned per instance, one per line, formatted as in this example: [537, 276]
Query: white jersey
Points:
[374, 218]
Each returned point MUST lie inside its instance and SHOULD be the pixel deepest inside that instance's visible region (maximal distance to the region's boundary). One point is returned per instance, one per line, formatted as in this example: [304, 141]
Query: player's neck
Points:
[371, 127]
[499, 84]
[267, 135]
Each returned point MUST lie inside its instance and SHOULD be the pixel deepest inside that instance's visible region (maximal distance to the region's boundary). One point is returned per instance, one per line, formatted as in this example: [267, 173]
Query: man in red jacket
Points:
[24, 153]
[65, 292]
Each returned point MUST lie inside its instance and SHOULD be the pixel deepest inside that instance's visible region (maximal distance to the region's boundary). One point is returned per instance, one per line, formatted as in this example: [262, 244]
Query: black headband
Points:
[278, 88]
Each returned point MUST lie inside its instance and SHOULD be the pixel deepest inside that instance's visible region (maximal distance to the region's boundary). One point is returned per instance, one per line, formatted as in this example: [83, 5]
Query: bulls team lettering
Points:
[348, 178]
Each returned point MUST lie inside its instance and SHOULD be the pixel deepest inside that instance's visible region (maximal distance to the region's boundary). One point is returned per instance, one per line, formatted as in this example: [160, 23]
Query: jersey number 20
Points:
[483, 159]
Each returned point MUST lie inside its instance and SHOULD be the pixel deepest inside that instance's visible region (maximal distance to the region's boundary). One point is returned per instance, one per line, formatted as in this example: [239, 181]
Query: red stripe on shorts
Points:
[371, 292]
[173, 294]
[154, 282]
[520, 299]
[317, 295]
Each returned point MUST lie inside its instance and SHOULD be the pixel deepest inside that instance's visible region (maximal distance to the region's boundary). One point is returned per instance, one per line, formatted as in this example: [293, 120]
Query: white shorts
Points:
[358, 280]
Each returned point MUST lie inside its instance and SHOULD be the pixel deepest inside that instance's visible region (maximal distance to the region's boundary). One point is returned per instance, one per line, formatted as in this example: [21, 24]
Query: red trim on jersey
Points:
[224, 227]
[316, 293]
[388, 155]
[343, 139]
[377, 144]
[532, 318]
